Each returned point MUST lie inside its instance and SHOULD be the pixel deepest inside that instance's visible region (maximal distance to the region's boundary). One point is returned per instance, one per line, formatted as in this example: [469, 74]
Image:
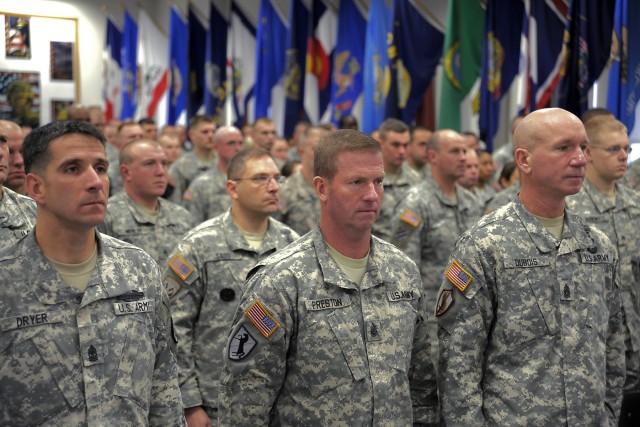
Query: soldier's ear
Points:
[124, 172]
[35, 187]
[522, 157]
[320, 186]
[232, 189]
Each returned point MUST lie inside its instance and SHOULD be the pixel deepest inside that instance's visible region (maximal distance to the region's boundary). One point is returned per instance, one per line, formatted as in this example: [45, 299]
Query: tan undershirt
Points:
[76, 275]
[151, 214]
[353, 268]
[255, 240]
[554, 225]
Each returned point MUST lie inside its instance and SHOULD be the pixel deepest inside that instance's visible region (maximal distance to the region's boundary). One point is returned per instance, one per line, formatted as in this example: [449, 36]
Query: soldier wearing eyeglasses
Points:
[204, 276]
[607, 204]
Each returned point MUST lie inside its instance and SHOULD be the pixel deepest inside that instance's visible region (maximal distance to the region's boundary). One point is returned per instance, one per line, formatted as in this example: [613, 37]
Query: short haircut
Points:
[197, 120]
[595, 126]
[36, 145]
[239, 160]
[596, 112]
[226, 129]
[328, 149]
[126, 124]
[392, 125]
[434, 141]
[310, 132]
[125, 151]
[264, 120]
[146, 121]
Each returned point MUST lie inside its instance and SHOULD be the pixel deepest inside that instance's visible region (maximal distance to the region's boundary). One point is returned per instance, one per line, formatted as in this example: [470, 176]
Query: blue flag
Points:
[295, 65]
[623, 98]
[178, 58]
[500, 61]
[544, 33]
[197, 57]
[216, 65]
[418, 48]
[587, 47]
[271, 54]
[129, 61]
[113, 72]
[348, 60]
[376, 66]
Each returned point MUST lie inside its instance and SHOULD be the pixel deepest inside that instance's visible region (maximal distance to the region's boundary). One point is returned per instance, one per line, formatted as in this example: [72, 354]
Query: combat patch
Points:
[262, 319]
[241, 344]
[445, 302]
[30, 319]
[171, 287]
[327, 303]
[133, 307]
[411, 218]
[458, 276]
[400, 296]
[180, 267]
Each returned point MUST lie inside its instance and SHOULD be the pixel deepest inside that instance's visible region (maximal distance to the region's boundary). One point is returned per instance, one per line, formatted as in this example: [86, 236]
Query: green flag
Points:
[460, 94]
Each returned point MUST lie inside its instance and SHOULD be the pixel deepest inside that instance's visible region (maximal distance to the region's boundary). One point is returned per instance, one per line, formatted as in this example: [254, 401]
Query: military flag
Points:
[197, 57]
[216, 84]
[294, 74]
[129, 61]
[179, 58]
[112, 72]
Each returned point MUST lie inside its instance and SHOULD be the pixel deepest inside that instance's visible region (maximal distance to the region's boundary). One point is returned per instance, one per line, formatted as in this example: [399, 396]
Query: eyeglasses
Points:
[615, 149]
[263, 180]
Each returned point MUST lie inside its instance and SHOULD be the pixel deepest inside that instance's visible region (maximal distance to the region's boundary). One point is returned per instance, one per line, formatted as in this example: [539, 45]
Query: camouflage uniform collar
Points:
[334, 275]
[237, 242]
[51, 289]
[601, 202]
[11, 216]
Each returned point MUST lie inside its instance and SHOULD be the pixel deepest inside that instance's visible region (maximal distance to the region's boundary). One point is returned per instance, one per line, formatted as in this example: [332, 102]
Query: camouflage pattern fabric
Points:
[618, 219]
[310, 347]
[300, 204]
[126, 221]
[204, 278]
[531, 328]
[207, 196]
[632, 175]
[394, 192]
[184, 170]
[18, 215]
[503, 198]
[102, 357]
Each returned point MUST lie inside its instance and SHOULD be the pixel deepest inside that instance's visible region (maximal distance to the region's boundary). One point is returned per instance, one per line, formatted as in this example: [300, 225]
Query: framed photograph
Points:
[17, 36]
[61, 60]
[60, 109]
[20, 98]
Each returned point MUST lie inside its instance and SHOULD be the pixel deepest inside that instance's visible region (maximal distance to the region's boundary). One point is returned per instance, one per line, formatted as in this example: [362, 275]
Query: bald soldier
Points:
[207, 195]
[205, 276]
[300, 205]
[604, 202]
[530, 322]
[16, 180]
[17, 212]
[138, 214]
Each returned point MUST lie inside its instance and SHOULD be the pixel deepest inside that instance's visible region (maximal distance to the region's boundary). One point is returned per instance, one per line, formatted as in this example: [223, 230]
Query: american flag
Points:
[262, 320]
[458, 276]
[180, 267]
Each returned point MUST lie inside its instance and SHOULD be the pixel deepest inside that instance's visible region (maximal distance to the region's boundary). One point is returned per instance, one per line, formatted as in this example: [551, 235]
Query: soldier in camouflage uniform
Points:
[632, 176]
[434, 214]
[127, 132]
[417, 157]
[398, 176]
[17, 212]
[300, 205]
[192, 163]
[16, 180]
[207, 195]
[206, 273]
[530, 322]
[330, 330]
[86, 331]
[138, 215]
[615, 210]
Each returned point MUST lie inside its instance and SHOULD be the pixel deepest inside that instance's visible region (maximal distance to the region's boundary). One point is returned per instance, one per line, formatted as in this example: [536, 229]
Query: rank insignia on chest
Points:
[458, 276]
[180, 267]
[262, 319]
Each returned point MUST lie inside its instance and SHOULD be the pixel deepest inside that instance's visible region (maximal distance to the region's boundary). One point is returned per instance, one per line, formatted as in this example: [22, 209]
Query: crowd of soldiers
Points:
[223, 276]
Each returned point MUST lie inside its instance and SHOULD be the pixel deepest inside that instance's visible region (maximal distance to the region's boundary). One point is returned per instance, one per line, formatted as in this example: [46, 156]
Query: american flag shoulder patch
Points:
[180, 267]
[458, 276]
[262, 319]
[411, 218]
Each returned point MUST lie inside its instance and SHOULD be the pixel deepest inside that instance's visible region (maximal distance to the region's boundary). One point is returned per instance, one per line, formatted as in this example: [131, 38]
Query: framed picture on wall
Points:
[60, 109]
[61, 60]
[17, 36]
[47, 48]
[20, 98]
